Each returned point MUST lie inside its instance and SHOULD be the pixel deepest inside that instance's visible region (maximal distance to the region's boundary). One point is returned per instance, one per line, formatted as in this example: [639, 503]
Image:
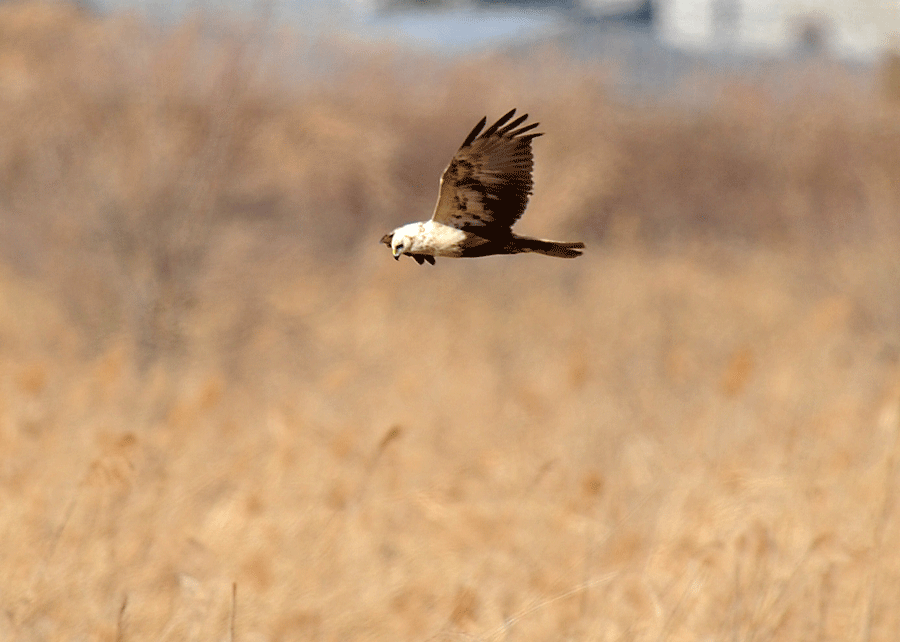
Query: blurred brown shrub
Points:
[138, 163]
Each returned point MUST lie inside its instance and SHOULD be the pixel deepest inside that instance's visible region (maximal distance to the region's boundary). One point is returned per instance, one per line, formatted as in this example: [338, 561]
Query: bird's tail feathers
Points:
[557, 249]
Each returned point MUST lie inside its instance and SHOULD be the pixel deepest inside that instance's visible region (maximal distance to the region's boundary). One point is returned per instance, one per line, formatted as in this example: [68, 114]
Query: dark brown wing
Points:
[488, 182]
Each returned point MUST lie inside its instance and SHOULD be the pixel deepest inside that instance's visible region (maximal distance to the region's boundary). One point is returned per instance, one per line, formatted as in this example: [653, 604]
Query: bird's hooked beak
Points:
[386, 239]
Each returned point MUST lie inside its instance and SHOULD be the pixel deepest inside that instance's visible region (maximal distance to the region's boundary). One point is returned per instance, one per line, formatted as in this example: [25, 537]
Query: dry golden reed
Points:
[227, 413]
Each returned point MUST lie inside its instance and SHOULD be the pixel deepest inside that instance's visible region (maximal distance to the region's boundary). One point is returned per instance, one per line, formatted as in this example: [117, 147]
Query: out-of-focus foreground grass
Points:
[212, 374]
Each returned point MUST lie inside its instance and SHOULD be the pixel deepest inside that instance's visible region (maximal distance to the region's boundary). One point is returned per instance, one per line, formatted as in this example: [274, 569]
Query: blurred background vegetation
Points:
[213, 376]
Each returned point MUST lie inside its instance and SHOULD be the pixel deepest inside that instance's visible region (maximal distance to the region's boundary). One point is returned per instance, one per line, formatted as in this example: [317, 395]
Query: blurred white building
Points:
[846, 28]
[855, 28]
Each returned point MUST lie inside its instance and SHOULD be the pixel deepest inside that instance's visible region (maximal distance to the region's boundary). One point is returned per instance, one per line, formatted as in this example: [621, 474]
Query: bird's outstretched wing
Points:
[488, 182]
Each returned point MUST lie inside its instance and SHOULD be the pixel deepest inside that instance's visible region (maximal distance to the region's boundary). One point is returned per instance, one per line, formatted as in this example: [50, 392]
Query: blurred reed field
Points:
[227, 413]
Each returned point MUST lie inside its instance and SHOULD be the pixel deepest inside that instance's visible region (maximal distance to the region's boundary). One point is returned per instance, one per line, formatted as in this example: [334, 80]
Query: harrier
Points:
[484, 191]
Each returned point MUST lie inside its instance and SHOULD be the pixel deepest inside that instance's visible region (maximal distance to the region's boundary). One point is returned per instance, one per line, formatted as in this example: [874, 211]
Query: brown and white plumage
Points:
[484, 191]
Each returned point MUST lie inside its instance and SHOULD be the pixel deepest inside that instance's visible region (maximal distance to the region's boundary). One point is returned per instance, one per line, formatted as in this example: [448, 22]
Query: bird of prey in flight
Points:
[484, 191]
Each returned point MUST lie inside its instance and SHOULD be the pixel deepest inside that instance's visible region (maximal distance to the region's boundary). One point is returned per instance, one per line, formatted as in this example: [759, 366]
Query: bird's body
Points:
[434, 239]
[484, 191]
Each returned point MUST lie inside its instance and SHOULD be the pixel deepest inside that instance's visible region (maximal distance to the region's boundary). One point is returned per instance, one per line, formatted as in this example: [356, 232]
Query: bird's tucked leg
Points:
[421, 258]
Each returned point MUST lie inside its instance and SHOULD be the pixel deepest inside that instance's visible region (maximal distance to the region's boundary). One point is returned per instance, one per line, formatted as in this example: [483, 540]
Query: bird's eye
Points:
[400, 247]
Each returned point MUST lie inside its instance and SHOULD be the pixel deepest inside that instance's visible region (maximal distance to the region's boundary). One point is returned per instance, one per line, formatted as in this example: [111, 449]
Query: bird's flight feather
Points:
[488, 182]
